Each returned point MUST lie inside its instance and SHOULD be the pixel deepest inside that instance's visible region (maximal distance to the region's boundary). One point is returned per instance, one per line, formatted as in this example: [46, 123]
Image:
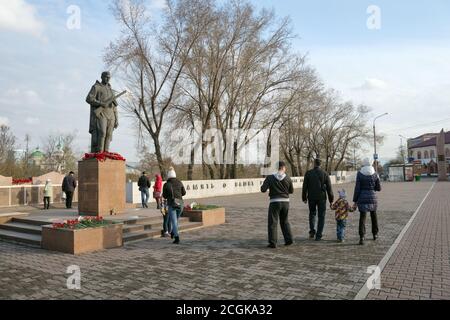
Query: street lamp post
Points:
[403, 150]
[375, 156]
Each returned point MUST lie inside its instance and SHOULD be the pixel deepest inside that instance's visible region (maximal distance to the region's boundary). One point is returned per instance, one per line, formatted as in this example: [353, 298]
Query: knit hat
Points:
[171, 174]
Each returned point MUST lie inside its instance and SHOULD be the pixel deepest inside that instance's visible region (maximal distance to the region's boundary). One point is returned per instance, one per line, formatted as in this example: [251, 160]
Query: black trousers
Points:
[46, 203]
[362, 223]
[69, 197]
[279, 210]
[317, 207]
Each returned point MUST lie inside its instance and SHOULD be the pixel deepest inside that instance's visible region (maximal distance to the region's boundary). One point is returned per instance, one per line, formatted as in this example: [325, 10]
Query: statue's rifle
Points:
[108, 102]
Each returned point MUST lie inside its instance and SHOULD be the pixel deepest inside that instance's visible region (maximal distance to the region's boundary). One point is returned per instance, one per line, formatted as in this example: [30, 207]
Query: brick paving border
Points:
[419, 268]
[364, 292]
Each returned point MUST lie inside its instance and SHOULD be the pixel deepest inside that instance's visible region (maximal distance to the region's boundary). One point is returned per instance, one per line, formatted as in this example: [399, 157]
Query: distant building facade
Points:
[38, 159]
[423, 150]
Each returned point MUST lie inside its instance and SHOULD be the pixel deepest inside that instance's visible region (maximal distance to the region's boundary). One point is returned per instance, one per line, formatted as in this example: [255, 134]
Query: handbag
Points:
[156, 194]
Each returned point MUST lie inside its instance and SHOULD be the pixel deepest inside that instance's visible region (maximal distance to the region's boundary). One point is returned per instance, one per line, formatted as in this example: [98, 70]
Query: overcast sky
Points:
[402, 68]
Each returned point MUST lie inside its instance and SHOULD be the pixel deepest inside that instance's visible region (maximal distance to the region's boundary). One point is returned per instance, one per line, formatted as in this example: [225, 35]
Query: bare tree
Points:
[151, 58]
[60, 153]
[238, 75]
[7, 146]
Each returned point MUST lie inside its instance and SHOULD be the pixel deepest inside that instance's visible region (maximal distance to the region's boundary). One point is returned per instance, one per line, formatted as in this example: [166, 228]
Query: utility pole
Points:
[404, 150]
[375, 156]
[27, 141]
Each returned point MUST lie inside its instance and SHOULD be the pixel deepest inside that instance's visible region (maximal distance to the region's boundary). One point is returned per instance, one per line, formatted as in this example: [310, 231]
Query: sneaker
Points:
[290, 243]
[361, 241]
[177, 240]
[340, 241]
[318, 239]
[375, 237]
[272, 246]
[166, 235]
[312, 235]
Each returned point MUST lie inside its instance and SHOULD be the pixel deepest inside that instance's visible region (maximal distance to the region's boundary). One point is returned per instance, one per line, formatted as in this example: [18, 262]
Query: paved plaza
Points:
[231, 261]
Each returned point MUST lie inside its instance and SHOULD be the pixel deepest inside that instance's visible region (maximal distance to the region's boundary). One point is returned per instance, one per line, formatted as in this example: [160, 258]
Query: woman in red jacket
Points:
[157, 190]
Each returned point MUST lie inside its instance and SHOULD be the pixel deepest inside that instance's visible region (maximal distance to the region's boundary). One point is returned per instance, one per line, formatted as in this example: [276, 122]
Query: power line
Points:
[418, 125]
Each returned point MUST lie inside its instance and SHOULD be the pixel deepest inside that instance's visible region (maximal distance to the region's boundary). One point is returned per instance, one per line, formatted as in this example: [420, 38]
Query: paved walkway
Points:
[420, 266]
[230, 261]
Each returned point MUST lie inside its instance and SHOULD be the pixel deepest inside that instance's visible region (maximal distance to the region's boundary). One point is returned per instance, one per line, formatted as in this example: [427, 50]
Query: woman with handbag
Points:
[174, 191]
[157, 190]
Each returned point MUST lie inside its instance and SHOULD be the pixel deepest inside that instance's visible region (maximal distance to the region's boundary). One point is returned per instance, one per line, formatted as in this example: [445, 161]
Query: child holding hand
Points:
[342, 208]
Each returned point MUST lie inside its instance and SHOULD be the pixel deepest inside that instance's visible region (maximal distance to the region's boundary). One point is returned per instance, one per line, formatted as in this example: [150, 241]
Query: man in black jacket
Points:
[280, 186]
[144, 186]
[68, 186]
[316, 186]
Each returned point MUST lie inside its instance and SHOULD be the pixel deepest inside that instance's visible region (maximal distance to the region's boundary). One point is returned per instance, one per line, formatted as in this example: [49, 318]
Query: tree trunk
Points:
[158, 154]
[235, 159]
[190, 171]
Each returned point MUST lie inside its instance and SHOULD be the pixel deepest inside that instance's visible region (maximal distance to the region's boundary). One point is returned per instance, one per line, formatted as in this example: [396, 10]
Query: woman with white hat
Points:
[48, 194]
[367, 183]
[174, 192]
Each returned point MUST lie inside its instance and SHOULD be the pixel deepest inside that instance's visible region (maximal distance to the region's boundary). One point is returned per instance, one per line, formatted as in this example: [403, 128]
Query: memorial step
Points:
[22, 228]
[28, 231]
[30, 239]
[147, 224]
[31, 221]
[156, 233]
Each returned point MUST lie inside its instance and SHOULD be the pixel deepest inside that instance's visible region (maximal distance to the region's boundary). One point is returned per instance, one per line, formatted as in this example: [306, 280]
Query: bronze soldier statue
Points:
[104, 117]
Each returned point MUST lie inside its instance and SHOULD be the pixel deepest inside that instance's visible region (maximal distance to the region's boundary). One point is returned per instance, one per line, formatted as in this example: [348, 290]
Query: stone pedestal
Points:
[101, 187]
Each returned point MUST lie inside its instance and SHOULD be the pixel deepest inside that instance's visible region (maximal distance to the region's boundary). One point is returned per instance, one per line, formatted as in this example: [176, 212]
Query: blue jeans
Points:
[340, 229]
[174, 215]
[166, 224]
[317, 206]
[145, 195]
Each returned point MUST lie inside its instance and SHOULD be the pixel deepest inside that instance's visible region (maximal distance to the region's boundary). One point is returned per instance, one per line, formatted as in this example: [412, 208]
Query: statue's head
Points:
[106, 76]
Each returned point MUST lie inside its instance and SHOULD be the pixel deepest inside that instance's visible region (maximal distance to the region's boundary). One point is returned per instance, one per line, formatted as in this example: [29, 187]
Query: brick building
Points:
[423, 150]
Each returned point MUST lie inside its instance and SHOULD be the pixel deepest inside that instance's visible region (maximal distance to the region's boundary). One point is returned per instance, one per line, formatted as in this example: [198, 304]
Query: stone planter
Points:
[212, 217]
[82, 240]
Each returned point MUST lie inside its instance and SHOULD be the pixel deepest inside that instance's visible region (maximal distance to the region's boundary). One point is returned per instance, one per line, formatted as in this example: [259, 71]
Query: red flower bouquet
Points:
[82, 223]
[102, 156]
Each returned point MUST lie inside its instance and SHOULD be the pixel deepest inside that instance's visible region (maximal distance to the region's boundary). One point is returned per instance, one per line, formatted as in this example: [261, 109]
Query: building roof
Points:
[425, 135]
[431, 142]
[37, 154]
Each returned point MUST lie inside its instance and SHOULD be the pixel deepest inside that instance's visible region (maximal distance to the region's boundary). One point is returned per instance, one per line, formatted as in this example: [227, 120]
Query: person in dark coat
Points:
[174, 192]
[69, 185]
[144, 186]
[280, 186]
[316, 187]
[367, 183]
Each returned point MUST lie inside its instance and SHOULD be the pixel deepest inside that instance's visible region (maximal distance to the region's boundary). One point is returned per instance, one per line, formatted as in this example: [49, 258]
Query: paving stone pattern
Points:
[230, 261]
